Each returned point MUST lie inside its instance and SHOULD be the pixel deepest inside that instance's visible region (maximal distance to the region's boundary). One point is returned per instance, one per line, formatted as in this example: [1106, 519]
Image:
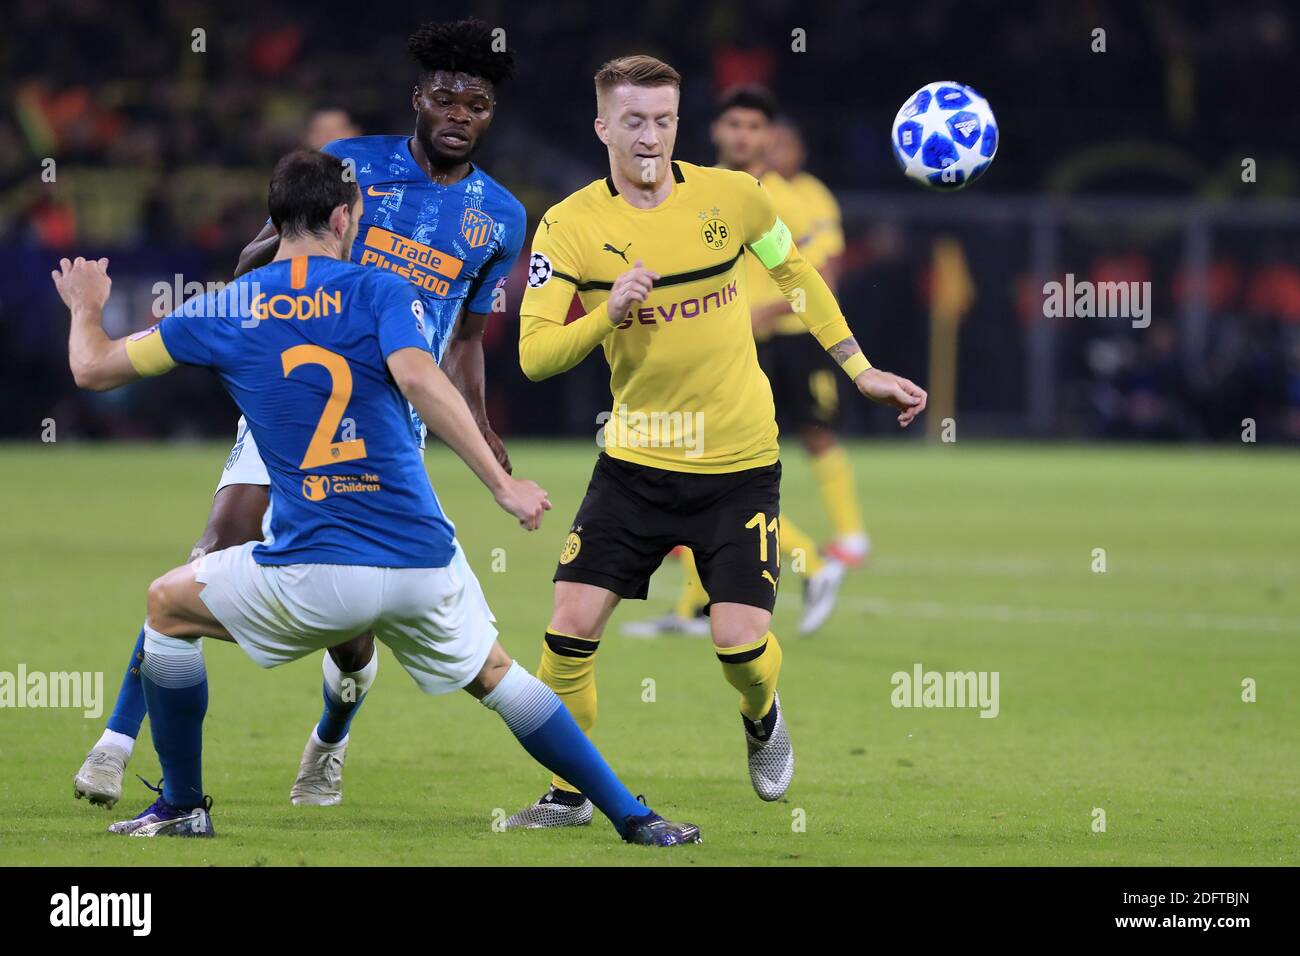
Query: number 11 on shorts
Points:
[765, 528]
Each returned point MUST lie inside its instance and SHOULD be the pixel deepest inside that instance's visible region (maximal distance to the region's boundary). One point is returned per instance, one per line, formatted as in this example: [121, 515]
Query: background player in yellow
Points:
[786, 155]
[807, 398]
[656, 254]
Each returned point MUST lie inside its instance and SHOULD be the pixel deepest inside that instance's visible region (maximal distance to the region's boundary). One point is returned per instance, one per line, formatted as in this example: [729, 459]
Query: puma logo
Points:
[767, 575]
[618, 252]
[547, 225]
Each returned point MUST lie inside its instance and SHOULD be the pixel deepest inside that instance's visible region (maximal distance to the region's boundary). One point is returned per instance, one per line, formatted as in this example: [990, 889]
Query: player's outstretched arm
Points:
[463, 363]
[879, 385]
[259, 252]
[98, 362]
[442, 408]
[812, 300]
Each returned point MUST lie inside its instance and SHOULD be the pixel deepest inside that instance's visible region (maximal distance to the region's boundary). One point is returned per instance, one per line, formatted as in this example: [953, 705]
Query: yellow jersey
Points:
[826, 238]
[688, 391]
[814, 218]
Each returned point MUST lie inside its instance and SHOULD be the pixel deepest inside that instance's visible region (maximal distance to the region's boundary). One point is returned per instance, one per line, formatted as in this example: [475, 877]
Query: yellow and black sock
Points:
[693, 597]
[568, 667]
[753, 669]
[795, 542]
[835, 480]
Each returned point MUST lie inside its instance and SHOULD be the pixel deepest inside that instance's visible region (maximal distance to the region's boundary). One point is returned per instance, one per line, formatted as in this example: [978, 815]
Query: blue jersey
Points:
[301, 345]
[455, 243]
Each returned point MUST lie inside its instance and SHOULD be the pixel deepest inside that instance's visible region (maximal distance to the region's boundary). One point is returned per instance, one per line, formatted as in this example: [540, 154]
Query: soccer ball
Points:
[945, 136]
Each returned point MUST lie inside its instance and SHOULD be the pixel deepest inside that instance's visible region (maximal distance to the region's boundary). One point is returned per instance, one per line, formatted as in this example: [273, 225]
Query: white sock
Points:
[523, 702]
[361, 680]
[322, 745]
[117, 740]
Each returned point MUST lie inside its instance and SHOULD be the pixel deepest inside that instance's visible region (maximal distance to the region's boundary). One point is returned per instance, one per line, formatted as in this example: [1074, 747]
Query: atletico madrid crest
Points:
[476, 227]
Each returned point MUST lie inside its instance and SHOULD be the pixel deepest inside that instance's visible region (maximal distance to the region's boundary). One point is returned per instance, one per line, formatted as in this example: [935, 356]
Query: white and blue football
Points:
[945, 136]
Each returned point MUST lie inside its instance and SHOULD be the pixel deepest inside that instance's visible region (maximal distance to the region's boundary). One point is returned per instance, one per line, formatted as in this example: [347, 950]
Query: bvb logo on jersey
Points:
[715, 234]
[572, 545]
[315, 487]
[476, 227]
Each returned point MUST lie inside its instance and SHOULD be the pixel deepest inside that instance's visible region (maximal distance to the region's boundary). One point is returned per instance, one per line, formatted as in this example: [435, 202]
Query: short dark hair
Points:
[306, 187]
[749, 96]
[461, 46]
[786, 121]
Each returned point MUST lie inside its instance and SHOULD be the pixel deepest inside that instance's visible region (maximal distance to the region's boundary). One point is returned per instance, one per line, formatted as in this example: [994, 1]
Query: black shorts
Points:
[805, 382]
[634, 515]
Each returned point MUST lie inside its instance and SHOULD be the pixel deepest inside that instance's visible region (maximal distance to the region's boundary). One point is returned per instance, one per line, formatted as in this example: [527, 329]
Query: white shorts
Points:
[436, 621]
[244, 466]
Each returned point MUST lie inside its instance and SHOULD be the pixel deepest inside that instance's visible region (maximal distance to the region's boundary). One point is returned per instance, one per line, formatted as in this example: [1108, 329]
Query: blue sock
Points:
[336, 718]
[548, 732]
[175, 683]
[128, 711]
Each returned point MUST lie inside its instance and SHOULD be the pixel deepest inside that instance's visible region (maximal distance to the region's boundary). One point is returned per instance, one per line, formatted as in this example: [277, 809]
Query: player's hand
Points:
[894, 391]
[524, 499]
[499, 449]
[83, 284]
[631, 288]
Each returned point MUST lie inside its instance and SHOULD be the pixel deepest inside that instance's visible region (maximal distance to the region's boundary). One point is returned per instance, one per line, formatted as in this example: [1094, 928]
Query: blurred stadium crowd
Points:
[162, 153]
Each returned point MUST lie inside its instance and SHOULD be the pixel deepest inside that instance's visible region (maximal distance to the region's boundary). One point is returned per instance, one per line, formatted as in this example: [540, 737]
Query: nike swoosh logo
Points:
[371, 192]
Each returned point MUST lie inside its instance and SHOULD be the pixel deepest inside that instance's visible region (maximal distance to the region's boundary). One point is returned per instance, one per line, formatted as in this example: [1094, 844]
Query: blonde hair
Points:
[639, 69]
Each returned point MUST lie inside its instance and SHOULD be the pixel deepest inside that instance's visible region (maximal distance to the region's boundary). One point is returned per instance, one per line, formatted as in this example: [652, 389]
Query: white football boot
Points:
[771, 761]
[556, 808]
[851, 550]
[320, 774]
[100, 778]
[820, 592]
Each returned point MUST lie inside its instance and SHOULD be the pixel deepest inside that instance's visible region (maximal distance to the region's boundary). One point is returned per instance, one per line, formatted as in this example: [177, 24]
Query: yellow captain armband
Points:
[147, 353]
[855, 365]
[773, 248]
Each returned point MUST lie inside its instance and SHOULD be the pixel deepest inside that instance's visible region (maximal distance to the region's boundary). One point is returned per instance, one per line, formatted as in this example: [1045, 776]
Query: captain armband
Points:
[773, 247]
[147, 353]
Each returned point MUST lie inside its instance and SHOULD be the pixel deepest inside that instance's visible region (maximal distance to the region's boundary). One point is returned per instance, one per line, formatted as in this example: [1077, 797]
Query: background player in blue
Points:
[434, 217]
[358, 540]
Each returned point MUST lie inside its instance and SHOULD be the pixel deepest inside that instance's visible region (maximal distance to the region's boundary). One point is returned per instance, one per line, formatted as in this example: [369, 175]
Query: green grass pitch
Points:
[1119, 691]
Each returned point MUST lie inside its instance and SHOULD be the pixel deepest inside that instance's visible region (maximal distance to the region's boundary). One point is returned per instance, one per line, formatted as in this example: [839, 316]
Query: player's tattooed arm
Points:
[463, 362]
[259, 252]
[844, 349]
[881, 386]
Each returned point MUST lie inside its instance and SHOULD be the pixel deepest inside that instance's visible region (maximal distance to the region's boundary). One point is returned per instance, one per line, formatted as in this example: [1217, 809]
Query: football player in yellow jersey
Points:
[655, 253]
[786, 155]
[804, 387]
[814, 402]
